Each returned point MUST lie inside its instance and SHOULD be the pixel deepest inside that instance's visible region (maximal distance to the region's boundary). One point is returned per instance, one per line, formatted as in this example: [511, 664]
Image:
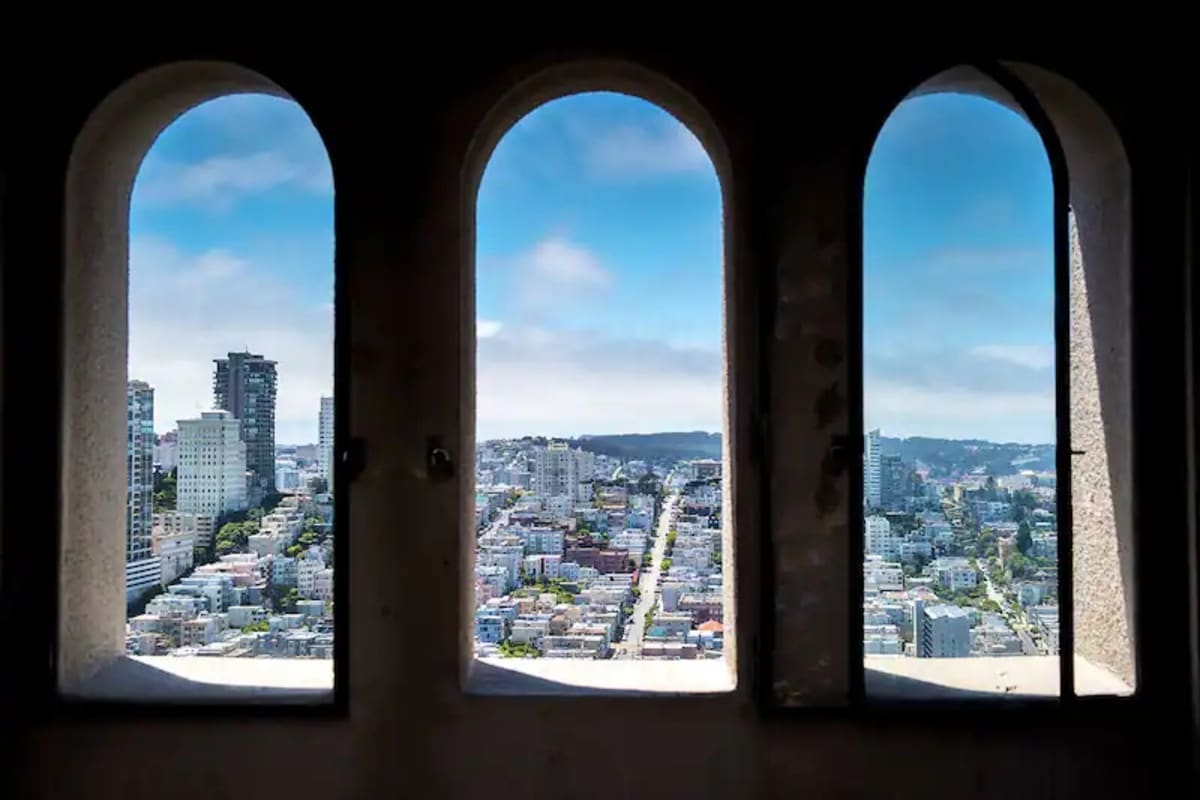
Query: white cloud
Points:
[907, 410]
[628, 150]
[997, 392]
[485, 328]
[185, 310]
[1034, 356]
[556, 271]
[535, 381]
[216, 183]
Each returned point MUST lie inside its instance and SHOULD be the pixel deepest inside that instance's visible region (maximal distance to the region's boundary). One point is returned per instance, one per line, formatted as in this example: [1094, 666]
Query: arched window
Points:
[989, 532]
[601, 542]
[200, 209]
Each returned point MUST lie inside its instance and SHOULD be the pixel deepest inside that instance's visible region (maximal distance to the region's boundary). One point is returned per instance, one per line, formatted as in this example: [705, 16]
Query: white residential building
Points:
[201, 527]
[212, 464]
[241, 616]
[872, 469]
[879, 539]
[541, 540]
[307, 567]
[325, 441]
[941, 631]
[323, 584]
[267, 543]
[175, 552]
[632, 540]
[883, 576]
[555, 471]
[882, 640]
[558, 470]
[495, 577]
[956, 574]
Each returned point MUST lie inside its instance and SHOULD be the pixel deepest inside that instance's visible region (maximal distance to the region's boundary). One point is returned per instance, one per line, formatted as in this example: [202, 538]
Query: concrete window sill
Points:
[200, 679]
[562, 676]
[1020, 677]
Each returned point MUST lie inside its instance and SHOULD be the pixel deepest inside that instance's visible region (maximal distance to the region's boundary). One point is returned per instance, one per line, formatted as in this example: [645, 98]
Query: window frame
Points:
[103, 163]
[741, 389]
[1005, 84]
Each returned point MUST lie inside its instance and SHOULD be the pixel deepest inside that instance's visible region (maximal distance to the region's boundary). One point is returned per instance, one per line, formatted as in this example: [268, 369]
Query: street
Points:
[1028, 647]
[648, 583]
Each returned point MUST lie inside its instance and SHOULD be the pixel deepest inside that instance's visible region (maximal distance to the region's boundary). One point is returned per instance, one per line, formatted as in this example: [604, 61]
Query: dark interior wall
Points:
[397, 128]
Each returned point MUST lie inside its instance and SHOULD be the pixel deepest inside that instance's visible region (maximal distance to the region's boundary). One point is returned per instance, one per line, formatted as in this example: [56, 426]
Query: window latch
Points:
[438, 461]
[353, 458]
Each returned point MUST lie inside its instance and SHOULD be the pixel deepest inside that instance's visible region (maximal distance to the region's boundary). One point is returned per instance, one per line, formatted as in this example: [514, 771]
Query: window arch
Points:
[626, 85]
[1092, 400]
[104, 164]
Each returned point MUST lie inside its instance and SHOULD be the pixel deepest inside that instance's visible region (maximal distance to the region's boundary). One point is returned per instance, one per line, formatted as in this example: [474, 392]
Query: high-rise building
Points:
[325, 441]
[894, 483]
[244, 385]
[141, 567]
[941, 631]
[212, 465]
[555, 471]
[871, 470]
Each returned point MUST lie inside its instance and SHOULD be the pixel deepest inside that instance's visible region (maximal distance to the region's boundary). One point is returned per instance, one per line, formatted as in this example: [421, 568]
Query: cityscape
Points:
[961, 549]
[583, 554]
[608, 545]
[229, 536]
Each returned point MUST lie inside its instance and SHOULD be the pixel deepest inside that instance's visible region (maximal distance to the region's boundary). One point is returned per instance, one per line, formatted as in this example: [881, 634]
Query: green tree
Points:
[165, 491]
[293, 550]
[1024, 538]
[288, 603]
[666, 564]
[256, 627]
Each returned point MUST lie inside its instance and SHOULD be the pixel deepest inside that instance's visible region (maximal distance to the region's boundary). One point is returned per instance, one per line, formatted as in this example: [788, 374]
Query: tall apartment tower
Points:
[142, 570]
[555, 471]
[325, 440]
[244, 385]
[212, 465]
[872, 464]
[893, 481]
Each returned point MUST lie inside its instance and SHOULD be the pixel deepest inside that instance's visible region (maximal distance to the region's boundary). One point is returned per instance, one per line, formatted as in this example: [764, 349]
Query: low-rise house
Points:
[241, 616]
[955, 574]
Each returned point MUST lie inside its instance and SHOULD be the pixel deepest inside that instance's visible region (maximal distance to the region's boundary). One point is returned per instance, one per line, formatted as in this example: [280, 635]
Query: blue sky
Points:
[598, 274]
[958, 274]
[599, 269]
[231, 247]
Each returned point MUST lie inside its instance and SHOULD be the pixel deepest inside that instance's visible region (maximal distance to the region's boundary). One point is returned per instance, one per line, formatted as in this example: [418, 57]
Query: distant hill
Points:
[654, 446]
[950, 456]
